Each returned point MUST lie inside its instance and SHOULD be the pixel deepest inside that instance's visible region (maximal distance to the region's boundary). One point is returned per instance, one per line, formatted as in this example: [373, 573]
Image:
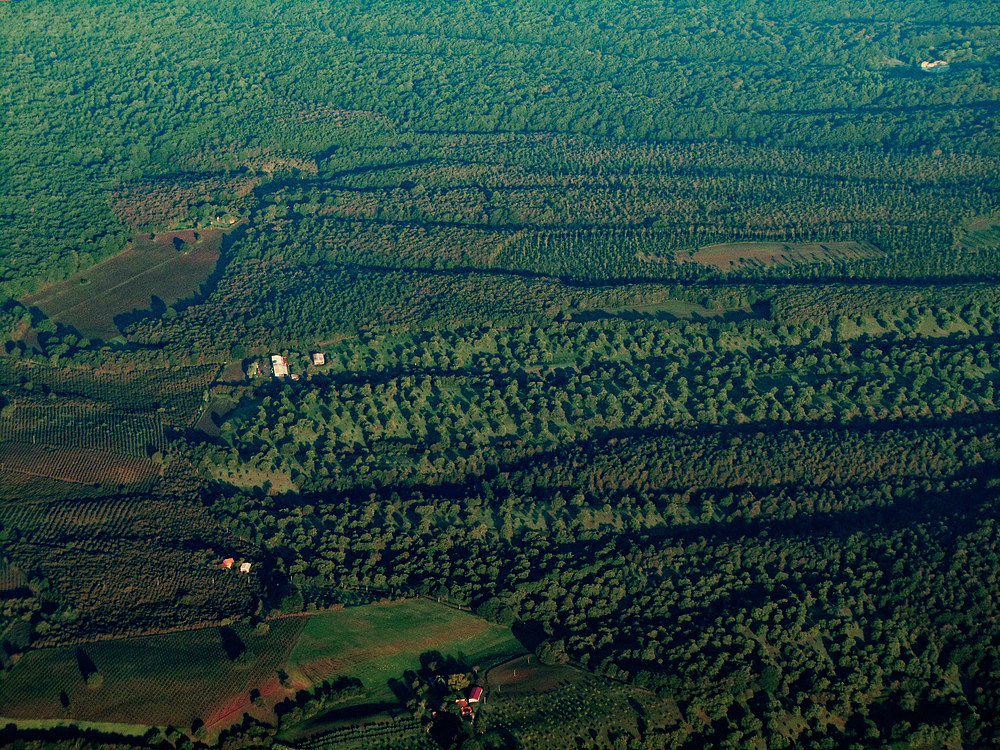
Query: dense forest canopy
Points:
[102, 94]
[665, 334]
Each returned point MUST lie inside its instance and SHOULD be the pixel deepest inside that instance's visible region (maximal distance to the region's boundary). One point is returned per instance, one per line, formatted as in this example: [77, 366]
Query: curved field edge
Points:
[380, 641]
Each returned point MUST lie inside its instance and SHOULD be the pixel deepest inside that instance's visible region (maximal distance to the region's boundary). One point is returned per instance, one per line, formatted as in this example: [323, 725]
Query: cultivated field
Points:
[734, 256]
[78, 465]
[158, 271]
[175, 393]
[161, 680]
[81, 424]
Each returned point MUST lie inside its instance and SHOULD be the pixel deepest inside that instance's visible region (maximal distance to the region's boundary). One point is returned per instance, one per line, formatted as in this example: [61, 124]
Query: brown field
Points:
[232, 372]
[158, 680]
[79, 465]
[526, 674]
[151, 268]
[735, 256]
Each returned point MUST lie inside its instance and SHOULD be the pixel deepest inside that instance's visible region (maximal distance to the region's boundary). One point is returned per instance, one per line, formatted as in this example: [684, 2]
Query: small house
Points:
[228, 563]
[319, 358]
[935, 66]
[245, 567]
[279, 366]
[475, 694]
[465, 709]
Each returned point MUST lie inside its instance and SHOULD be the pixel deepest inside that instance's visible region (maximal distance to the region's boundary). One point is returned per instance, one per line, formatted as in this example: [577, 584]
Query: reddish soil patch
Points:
[734, 256]
[526, 674]
[153, 271]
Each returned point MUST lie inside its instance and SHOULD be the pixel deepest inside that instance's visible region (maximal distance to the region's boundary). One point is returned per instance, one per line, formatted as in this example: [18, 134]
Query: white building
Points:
[279, 366]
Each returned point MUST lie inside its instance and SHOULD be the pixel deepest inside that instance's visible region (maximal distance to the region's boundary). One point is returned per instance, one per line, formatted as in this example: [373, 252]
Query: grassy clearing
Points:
[525, 674]
[735, 256]
[168, 267]
[980, 233]
[248, 478]
[379, 642]
[125, 730]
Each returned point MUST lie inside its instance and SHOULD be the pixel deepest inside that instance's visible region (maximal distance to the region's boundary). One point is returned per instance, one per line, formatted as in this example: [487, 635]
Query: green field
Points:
[732, 256]
[379, 642]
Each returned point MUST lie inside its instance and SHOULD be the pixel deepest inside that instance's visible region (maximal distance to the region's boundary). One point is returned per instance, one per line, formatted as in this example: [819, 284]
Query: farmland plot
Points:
[153, 272]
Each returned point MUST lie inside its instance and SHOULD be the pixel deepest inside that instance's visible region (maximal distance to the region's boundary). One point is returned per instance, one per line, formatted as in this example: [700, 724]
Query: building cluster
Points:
[280, 367]
[468, 705]
[229, 562]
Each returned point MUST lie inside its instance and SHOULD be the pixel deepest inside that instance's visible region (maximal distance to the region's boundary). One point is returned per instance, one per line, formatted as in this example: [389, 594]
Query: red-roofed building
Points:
[475, 694]
[228, 563]
[465, 709]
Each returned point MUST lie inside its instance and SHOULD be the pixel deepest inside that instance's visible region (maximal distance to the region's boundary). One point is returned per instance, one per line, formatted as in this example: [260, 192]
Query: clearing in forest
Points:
[979, 233]
[379, 642]
[153, 272]
[736, 256]
[526, 674]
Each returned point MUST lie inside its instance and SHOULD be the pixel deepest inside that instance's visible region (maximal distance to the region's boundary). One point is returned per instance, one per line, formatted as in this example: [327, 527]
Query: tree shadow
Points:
[85, 664]
[232, 644]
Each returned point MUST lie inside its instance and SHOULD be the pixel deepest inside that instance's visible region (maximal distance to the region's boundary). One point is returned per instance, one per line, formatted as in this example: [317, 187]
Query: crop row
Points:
[176, 391]
[81, 426]
[376, 734]
[76, 464]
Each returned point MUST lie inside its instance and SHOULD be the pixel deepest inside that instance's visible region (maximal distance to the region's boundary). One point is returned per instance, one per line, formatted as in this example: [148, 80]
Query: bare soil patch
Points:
[735, 256]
